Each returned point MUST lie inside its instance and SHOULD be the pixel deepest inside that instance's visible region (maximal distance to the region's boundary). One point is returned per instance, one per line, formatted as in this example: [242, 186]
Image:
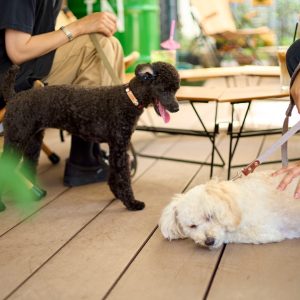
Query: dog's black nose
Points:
[209, 241]
[173, 108]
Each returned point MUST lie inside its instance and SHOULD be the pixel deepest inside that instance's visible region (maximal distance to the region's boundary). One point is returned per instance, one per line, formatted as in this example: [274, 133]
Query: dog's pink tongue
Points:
[163, 113]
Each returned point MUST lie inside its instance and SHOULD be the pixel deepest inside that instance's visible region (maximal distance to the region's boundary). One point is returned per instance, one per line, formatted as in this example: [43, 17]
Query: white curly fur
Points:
[248, 210]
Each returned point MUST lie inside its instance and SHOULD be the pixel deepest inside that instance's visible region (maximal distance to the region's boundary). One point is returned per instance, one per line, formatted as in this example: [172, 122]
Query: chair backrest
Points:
[215, 16]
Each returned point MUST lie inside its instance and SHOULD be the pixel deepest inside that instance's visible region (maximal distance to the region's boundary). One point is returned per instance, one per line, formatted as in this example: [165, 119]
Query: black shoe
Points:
[76, 175]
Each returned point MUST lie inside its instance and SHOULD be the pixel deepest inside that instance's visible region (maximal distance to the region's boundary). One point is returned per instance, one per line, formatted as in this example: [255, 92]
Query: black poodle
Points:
[104, 114]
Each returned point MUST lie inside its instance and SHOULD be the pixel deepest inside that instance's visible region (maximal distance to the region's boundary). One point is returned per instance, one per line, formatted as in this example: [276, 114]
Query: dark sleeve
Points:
[17, 14]
[293, 57]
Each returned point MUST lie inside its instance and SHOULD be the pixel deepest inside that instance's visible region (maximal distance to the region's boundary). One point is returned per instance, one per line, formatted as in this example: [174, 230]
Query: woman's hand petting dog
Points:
[290, 173]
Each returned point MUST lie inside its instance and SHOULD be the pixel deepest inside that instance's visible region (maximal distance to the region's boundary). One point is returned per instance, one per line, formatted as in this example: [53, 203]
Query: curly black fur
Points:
[103, 114]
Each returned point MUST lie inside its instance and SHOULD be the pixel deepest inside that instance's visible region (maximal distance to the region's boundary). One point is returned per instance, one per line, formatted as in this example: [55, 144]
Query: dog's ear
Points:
[228, 212]
[144, 72]
[168, 223]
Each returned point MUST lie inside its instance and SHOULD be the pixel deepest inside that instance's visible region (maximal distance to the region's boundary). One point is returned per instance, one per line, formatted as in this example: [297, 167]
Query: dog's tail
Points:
[8, 83]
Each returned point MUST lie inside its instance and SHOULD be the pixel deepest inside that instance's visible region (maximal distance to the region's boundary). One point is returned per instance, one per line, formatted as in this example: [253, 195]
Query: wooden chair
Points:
[216, 20]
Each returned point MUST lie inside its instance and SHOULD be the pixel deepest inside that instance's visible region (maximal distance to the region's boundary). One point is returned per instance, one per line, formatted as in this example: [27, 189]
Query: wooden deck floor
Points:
[80, 243]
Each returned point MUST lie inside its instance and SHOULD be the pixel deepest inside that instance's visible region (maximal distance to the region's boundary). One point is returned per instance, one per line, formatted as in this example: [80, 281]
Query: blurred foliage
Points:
[286, 16]
[15, 184]
[281, 17]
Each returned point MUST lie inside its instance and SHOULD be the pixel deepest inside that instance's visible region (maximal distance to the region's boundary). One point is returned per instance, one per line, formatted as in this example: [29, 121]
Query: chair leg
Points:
[53, 157]
[37, 192]
[2, 113]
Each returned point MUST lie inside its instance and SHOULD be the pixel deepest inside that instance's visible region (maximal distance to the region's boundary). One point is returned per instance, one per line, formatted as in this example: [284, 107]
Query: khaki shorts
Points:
[77, 62]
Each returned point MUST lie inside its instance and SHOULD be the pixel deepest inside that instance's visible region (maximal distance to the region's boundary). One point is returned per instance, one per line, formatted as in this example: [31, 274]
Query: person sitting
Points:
[292, 171]
[65, 56]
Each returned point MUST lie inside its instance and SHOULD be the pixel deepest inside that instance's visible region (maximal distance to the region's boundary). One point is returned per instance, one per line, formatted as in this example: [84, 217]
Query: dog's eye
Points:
[193, 226]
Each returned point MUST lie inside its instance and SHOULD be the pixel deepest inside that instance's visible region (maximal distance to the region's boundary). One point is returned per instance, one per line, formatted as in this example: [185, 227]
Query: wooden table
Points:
[246, 95]
[233, 96]
[199, 74]
[199, 93]
[208, 73]
[242, 94]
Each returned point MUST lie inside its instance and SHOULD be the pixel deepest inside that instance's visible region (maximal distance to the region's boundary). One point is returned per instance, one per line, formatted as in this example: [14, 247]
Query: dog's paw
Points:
[135, 205]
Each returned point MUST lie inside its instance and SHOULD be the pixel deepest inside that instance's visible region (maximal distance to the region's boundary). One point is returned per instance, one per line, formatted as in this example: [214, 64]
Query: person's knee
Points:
[115, 43]
[111, 44]
[85, 41]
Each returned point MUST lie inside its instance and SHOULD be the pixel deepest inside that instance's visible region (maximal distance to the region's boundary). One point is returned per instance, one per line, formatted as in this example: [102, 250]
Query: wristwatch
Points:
[67, 33]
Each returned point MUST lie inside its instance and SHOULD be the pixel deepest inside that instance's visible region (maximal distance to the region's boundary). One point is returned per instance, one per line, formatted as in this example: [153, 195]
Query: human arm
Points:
[290, 173]
[22, 47]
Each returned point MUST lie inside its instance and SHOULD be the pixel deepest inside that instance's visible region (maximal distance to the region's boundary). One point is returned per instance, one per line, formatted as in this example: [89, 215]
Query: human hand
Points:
[291, 172]
[99, 22]
[295, 91]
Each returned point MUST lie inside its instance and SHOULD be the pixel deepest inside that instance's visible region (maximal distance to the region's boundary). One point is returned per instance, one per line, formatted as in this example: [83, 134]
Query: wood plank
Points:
[51, 181]
[26, 247]
[87, 266]
[268, 271]
[262, 71]
[165, 141]
[233, 94]
[168, 270]
[177, 269]
[22, 274]
[222, 72]
[199, 93]
[252, 93]
[50, 178]
[208, 73]
[175, 274]
[192, 148]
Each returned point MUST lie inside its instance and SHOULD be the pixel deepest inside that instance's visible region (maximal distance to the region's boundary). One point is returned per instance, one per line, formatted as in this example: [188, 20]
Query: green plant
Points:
[286, 16]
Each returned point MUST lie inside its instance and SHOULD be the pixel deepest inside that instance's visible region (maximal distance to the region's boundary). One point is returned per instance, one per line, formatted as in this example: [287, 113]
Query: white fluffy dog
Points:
[248, 210]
